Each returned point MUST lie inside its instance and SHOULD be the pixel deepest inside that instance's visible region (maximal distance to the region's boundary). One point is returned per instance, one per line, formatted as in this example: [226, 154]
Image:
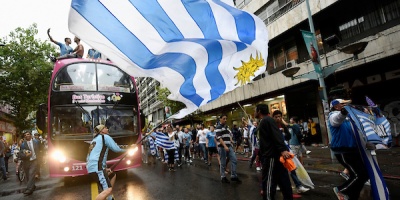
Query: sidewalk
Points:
[320, 159]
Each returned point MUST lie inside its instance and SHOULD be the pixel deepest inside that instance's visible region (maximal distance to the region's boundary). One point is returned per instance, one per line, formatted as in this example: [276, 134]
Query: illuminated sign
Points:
[88, 98]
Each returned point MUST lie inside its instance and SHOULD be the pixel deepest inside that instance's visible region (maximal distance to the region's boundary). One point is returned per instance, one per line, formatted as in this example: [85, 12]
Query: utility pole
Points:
[320, 76]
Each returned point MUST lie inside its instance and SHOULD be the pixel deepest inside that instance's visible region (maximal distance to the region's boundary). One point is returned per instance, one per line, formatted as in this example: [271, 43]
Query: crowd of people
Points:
[268, 140]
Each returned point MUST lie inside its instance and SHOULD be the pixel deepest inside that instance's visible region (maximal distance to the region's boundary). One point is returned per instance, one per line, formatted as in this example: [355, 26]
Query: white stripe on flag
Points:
[179, 15]
[128, 15]
[225, 22]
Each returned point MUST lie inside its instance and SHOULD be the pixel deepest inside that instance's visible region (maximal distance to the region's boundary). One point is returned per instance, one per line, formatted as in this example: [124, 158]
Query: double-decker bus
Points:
[84, 93]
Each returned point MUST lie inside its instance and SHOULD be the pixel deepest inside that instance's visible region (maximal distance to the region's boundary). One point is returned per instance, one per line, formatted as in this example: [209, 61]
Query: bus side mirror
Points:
[41, 114]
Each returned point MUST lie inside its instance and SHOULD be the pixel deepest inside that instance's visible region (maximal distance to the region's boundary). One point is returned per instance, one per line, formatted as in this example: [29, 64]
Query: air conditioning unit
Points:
[290, 63]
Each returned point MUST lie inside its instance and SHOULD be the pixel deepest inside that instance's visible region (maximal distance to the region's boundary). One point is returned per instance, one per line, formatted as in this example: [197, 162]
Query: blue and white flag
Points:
[152, 146]
[198, 49]
[366, 131]
[375, 128]
[163, 141]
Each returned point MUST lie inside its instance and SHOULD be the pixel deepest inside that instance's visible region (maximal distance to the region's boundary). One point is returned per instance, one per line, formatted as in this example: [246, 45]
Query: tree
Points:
[162, 95]
[25, 71]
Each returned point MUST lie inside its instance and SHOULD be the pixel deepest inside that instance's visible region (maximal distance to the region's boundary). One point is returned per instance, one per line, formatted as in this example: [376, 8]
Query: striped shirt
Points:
[222, 131]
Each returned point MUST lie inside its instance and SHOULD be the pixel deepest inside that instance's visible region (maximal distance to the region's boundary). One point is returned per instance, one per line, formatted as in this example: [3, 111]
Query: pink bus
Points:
[82, 94]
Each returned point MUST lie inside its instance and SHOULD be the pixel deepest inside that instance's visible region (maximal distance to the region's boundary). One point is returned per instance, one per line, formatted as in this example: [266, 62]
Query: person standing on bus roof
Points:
[64, 48]
[96, 160]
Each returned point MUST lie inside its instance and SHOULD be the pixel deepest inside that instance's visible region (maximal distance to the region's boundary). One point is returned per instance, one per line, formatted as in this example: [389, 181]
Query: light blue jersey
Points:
[64, 49]
[211, 141]
[98, 151]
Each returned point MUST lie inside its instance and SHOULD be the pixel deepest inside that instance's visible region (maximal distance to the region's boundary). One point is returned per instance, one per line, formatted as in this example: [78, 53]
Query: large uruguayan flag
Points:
[365, 130]
[198, 49]
[163, 141]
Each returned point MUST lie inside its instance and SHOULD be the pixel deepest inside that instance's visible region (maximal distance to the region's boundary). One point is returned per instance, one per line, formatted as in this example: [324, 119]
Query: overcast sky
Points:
[45, 13]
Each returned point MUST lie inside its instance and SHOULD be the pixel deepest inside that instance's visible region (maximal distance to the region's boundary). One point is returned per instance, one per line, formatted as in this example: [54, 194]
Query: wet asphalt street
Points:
[196, 181]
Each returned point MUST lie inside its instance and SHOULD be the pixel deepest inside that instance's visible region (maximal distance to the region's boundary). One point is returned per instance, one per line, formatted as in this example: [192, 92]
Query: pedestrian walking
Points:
[272, 147]
[289, 136]
[211, 144]
[2, 164]
[225, 150]
[29, 153]
[343, 144]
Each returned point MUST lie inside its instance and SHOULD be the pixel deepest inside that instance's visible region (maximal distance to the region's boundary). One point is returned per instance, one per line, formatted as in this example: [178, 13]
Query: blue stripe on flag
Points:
[245, 24]
[161, 22]
[200, 10]
[139, 55]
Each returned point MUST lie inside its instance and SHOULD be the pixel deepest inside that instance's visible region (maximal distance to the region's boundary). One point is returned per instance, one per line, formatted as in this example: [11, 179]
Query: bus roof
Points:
[63, 62]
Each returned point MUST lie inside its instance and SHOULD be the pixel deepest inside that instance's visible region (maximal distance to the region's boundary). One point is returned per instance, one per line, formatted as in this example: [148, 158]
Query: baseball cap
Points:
[99, 128]
[338, 101]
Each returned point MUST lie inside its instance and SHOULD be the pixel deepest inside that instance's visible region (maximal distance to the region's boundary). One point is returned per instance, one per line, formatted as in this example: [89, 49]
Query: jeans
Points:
[204, 150]
[3, 167]
[295, 179]
[232, 157]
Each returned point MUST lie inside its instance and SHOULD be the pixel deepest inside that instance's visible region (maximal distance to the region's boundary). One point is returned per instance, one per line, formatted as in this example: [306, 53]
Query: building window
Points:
[381, 15]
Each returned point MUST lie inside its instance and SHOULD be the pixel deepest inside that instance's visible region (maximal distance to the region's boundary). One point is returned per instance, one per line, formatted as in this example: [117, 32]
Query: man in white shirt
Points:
[201, 140]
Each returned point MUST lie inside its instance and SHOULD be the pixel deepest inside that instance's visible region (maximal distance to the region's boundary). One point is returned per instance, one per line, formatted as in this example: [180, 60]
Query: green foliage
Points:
[25, 71]
[162, 95]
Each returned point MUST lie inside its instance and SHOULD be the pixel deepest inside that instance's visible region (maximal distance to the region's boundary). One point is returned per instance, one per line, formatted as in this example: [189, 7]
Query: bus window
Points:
[113, 79]
[71, 122]
[120, 120]
[76, 77]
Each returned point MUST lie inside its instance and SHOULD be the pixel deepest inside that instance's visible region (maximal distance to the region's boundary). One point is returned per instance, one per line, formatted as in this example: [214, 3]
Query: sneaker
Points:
[368, 183]
[190, 161]
[339, 194]
[308, 152]
[258, 168]
[225, 180]
[278, 188]
[170, 169]
[344, 175]
[236, 179]
[302, 189]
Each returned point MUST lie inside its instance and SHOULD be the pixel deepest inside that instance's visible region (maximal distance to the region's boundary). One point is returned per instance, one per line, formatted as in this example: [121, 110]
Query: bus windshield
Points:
[82, 77]
[75, 122]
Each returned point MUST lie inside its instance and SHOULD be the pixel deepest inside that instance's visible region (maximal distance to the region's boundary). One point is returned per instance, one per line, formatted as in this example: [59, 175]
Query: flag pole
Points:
[248, 117]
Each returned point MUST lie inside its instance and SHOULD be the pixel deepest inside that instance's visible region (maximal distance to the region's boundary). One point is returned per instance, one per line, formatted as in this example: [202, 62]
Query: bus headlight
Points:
[132, 151]
[59, 156]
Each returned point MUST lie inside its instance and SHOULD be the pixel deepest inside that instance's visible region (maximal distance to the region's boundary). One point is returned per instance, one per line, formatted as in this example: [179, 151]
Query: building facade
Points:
[152, 108]
[338, 24]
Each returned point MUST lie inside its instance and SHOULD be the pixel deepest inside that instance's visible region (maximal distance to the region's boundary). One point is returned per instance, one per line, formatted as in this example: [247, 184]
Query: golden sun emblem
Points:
[248, 69]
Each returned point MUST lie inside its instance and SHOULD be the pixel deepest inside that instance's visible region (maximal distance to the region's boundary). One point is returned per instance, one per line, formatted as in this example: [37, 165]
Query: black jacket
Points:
[271, 138]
